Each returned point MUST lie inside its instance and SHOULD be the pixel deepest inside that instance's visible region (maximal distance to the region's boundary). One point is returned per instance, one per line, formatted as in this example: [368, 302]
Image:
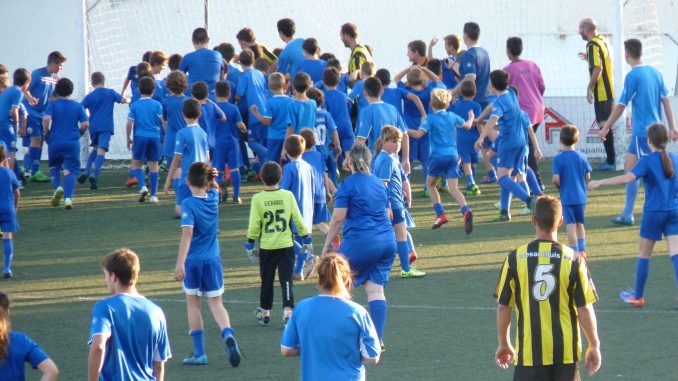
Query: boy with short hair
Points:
[251, 90]
[571, 173]
[9, 201]
[338, 104]
[203, 64]
[226, 151]
[275, 116]
[210, 114]
[99, 103]
[357, 94]
[466, 138]
[173, 119]
[323, 188]
[326, 136]
[173, 61]
[145, 118]
[312, 65]
[298, 178]
[302, 109]
[64, 123]
[128, 334]
[158, 61]
[271, 214]
[343, 81]
[10, 104]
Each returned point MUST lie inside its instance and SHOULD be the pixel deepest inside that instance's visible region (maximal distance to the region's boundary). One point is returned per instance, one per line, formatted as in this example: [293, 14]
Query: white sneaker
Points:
[525, 211]
[153, 200]
[68, 204]
[56, 196]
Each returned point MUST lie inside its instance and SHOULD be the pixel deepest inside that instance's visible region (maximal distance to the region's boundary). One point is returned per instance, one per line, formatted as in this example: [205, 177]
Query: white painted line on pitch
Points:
[397, 306]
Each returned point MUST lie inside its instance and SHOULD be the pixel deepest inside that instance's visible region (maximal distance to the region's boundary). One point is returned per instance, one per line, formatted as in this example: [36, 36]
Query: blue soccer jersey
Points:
[226, 133]
[317, 162]
[297, 177]
[314, 68]
[661, 194]
[343, 85]
[357, 94]
[338, 103]
[276, 109]
[42, 85]
[202, 65]
[67, 115]
[146, 114]
[100, 103]
[441, 129]
[210, 115]
[137, 336]
[476, 61]
[291, 56]
[508, 112]
[395, 97]
[324, 127]
[572, 167]
[411, 114]
[366, 198]
[191, 144]
[449, 76]
[251, 88]
[644, 88]
[171, 112]
[386, 169]
[8, 184]
[10, 99]
[202, 214]
[333, 335]
[22, 349]
[374, 117]
[133, 83]
[301, 114]
[466, 138]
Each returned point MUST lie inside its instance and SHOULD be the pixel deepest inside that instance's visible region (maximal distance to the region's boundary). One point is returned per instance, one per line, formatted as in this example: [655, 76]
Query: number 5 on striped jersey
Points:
[544, 282]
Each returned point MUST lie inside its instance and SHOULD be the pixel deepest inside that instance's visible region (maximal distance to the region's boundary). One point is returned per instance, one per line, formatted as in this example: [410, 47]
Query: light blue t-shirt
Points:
[202, 65]
[9, 100]
[137, 333]
[172, 107]
[343, 85]
[202, 214]
[324, 127]
[395, 97]
[146, 114]
[386, 168]
[572, 167]
[252, 89]
[209, 117]
[374, 117]
[338, 104]
[191, 144]
[67, 115]
[22, 349]
[644, 88]
[291, 56]
[441, 128]
[42, 85]
[298, 178]
[508, 112]
[314, 68]
[317, 162]
[466, 138]
[276, 109]
[301, 114]
[357, 94]
[332, 334]
[8, 184]
[661, 194]
[100, 103]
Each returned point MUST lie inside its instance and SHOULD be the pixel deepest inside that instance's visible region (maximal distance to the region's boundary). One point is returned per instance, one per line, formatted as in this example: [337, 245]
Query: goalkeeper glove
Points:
[307, 246]
[252, 253]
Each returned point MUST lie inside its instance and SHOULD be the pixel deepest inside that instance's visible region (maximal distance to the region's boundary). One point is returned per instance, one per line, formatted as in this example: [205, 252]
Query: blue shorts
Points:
[444, 166]
[8, 139]
[469, 157]
[320, 213]
[487, 143]
[8, 222]
[275, 147]
[101, 140]
[182, 192]
[420, 149]
[409, 221]
[369, 259]
[226, 155]
[398, 216]
[204, 276]
[34, 126]
[65, 157]
[26, 141]
[574, 214]
[512, 158]
[638, 146]
[146, 149]
[656, 224]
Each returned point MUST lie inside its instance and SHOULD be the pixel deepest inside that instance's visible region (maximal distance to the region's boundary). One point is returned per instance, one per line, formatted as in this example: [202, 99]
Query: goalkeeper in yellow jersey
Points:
[271, 213]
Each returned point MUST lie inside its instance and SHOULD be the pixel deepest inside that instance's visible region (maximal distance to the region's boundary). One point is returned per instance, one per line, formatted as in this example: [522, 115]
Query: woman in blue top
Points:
[361, 208]
[333, 335]
[660, 212]
[16, 348]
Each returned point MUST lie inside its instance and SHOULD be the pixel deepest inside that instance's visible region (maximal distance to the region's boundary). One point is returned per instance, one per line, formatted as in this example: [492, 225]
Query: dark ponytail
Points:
[658, 136]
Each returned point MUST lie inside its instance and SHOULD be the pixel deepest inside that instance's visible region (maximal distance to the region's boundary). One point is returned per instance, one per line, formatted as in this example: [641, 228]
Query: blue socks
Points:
[301, 257]
[631, 194]
[139, 175]
[55, 176]
[581, 243]
[464, 209]
[198, 337]
[378, 315]
[404, 254]
[525, 187]
[674, 260]
[69, 185]
[511, 186]
[35, 159]
[410, 243]
[227, 332]
[176, 183]
[98, 163]
[505, 199]
[90, 160]
[642, 271]
[8, 249]
[438, 209]
[492, 174]
[236, 180]
[469, 181]
[332, 169]
[535, 189]
[154, 178]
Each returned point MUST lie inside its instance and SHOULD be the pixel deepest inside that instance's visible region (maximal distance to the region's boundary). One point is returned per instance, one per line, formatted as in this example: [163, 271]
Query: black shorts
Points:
[603, 110]
[560, 372]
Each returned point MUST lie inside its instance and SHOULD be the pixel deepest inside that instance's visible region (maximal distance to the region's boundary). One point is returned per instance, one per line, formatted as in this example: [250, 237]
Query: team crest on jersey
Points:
[184, 215]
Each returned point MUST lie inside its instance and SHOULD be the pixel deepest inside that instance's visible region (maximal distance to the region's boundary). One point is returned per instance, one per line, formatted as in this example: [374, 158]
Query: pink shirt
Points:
[526, 77]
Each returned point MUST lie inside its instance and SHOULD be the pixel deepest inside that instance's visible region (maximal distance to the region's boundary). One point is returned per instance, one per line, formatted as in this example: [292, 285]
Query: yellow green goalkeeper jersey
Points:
[271, 214]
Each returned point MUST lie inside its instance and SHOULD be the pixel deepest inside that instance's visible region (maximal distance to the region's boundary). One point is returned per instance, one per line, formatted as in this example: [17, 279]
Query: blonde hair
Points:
[360, 157]
[276, 81]
[334, 275]
[658, 136]
[391, 134]
[5, 325]
[440, 99]
[415, 77]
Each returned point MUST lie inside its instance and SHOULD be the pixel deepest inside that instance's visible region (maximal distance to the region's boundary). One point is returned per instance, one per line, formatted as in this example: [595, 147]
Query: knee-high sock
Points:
[631, 194]
[236, 180]
[90, 160]
[332, 170]
[378, 314]
[139, 175]
[154, 178]
[674, 260]
[27, 162]
[8, 248]
[533, 183]
[404, 255]
[35, 153]
[98, 163]
[505, 199]
[198, 337]
[505, 182]
[69, 184]
[55, 176]
[438, 208]
[301, 256]
[227, 332]
[642, 272]
[581, 244]
[17, 169]
[525, 186]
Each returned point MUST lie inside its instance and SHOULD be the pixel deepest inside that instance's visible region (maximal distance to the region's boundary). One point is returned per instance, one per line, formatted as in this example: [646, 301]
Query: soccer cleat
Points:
[93, 183]
[525, 211]
[237, 200]
[223, 191]
[412, 257]
[163, 166]
[439, 221]
[624, 221]
[297, 277]
[154, 200]
[473, 190]
[630, 298]
[68, 204]
[40, 177]
[56, 196]
[7, 274]
[82, 178]
[232, 351]
[131, 181]
[259, 314]
[605, 166]
[287, 315]
[439, 183]
[193, 360]
[309, 266]
[531, 202]
[468, 222]
[143, 194]
[489, 180]
[501, 217]
[382, 345]
[424, 193]
[413, 273]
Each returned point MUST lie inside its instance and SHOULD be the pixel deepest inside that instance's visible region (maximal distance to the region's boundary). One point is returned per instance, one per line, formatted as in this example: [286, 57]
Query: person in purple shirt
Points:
[293, 53]
[525, 76]
[203, 64]
[312, 65]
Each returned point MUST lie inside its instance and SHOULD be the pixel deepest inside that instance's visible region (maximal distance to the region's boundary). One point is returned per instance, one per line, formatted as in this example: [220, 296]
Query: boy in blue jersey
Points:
[298, 178]
[158, 62]
[145, 117]
[132, 80]
[275, 116]
[37, 97]
[10, 104]
[9, 201]
[643, 88]
[343, 81]
[226, 153]
[251, 89]
[293, 53]
[450, 66]
[302, 109]
[386, 169]
[64, 123]
[326, 136]
[466, 138]
[128, 335]
[474, 65]
[442, 127]
[571, 173]
[172, 116]
[203, 64]
[199, 262]
[377, 115]
[323, 188]
[338, 105]
[190, 147]
[357, 94]
[395, 96]
[210, 113]
[99, 103]
[312, 65]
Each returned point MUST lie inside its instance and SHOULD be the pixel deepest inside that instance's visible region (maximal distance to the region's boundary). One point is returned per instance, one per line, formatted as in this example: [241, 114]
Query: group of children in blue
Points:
[202, 116]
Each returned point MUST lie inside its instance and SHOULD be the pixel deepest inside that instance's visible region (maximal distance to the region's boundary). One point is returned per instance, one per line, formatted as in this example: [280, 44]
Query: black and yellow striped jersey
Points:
[599, 54]
[545, 284]
[266, 53]
[271, 214]
[359, 55]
